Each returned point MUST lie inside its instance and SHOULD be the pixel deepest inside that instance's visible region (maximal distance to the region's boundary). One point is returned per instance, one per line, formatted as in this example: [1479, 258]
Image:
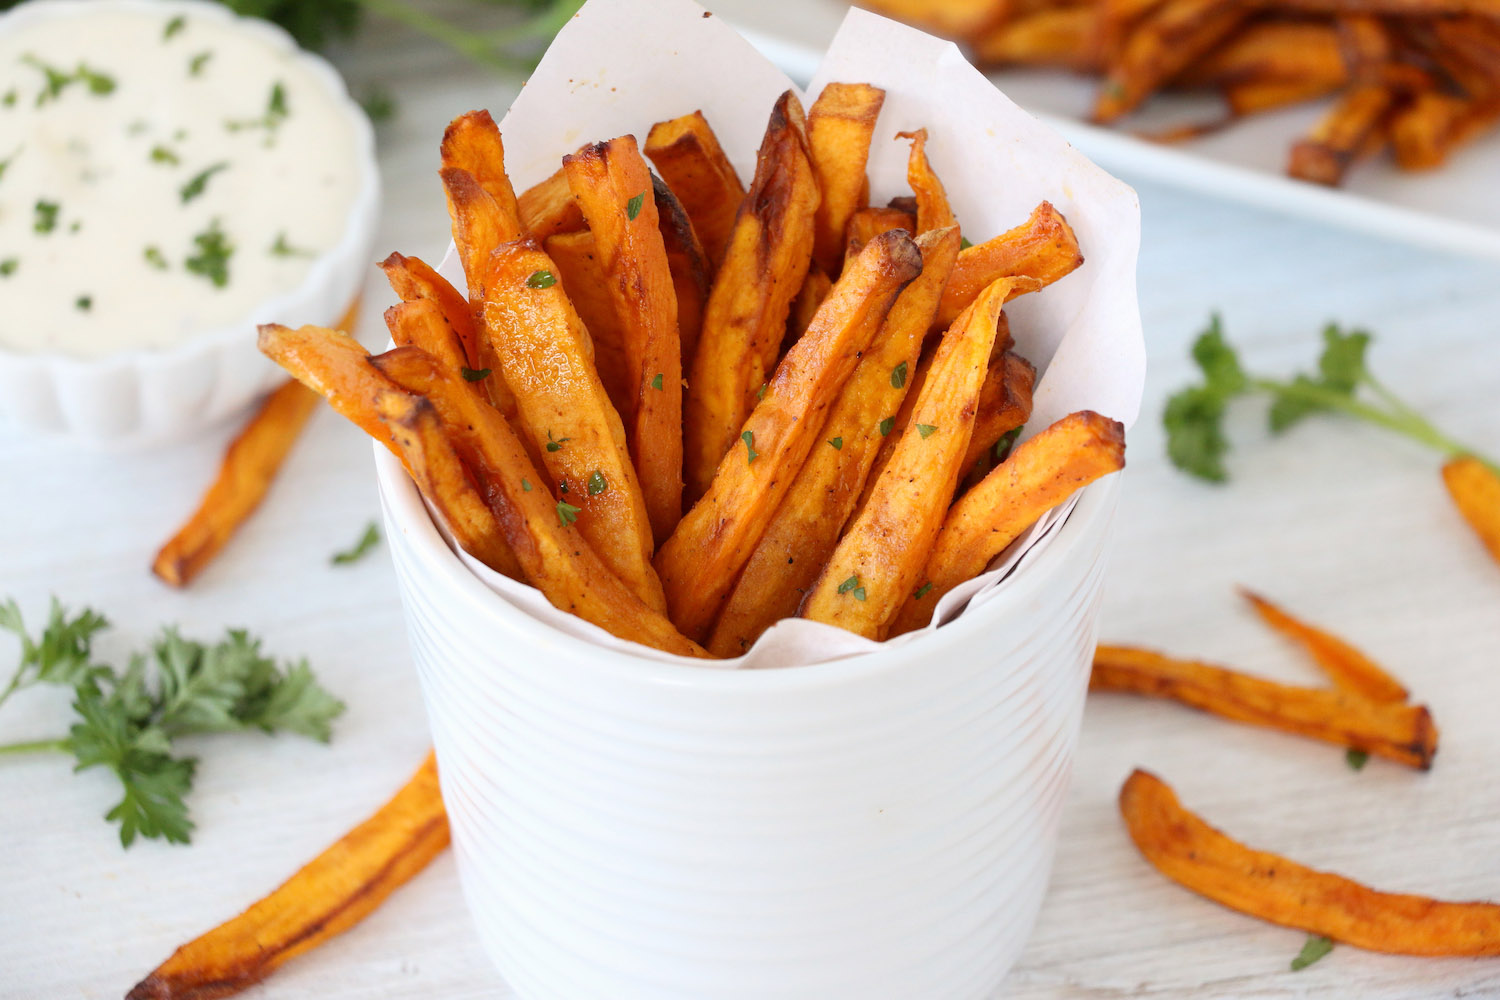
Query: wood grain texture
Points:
[1343, 525]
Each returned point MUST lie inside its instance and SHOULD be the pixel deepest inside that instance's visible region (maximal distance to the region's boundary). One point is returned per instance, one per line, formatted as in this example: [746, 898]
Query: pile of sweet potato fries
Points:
[1419, 77]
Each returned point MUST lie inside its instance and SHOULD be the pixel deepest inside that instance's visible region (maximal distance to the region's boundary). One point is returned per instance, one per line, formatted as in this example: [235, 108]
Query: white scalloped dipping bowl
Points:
[151, 397]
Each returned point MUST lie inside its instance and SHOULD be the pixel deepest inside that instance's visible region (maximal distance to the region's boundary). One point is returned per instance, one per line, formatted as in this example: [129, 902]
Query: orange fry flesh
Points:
[1336, 141]
[1279, 890]
[332, 364]
[952, 18]
[543, 351]
[480, 224]
[551, 554]
[933, 210]
[1044, 247]
[706, 553]
[245, 476]
[805, 528]
[549, 208]
[1004, 403]
[1346, 666]
[1397, 731]
[472, 143]
[839, 126]
[868, 223]
[329, 895]
[1169, 39]
[690, 160]
[412, 279]
[614, 190]
[884, 549]
[578, 269]
[689, 264]
[1039, 475]
[1475, 489]
[1054, 36]
[420, 323]
[767, 259]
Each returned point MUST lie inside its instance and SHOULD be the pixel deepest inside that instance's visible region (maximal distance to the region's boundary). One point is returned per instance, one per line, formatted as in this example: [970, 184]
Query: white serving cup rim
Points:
[409, 514]
[358, 226]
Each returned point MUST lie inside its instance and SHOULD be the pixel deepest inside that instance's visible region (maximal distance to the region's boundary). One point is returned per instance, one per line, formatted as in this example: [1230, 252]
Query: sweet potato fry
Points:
[701, 561]
[549, 208]
[1475, 489]
[1043, 247]
[1169, 39]
[805, 528]
[868, 223]
[472, 143]
[421, 323]
[1040, 474]
[1412, 8]
[480, 224]
[552, 555]
[1253, 97]
[583, 281]
[245, 476]
[332, 893]
[815, 288]
[953, 18]
[839, 126]
[876, 563]
[1276, 889]
[1430, 127]
[1347, 667]
[933, 210]
[613, 186]
[764, 266]
[689, 264]
[689, 158]
[1397, 731]
[422, 440]
[1004, 404]
[412, 279]
[1054, 36]
[1268, 52]
[543, 350]
[1340, 138]
[332, 364]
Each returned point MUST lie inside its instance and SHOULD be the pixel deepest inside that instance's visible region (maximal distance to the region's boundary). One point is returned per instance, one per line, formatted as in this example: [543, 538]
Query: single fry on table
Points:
[1346, 666]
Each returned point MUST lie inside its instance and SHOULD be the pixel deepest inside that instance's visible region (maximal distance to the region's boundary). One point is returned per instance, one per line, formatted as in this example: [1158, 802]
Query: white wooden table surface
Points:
[1345, 525]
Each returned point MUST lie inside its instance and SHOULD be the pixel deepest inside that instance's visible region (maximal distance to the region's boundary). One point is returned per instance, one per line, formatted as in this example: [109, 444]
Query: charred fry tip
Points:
[479, 117]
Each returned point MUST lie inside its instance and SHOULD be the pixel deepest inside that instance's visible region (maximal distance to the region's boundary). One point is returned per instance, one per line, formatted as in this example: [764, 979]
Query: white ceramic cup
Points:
[879, 827]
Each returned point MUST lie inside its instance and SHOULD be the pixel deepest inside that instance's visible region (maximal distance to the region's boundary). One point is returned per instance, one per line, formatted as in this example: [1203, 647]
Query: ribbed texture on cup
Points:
[697, 835]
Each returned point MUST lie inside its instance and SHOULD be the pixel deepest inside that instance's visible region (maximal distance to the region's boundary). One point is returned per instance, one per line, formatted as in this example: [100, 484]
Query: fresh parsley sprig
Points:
[1343, 383]
[127, 720]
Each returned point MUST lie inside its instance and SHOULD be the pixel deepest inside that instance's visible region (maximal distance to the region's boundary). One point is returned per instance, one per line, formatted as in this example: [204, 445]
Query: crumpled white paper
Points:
[621, 65]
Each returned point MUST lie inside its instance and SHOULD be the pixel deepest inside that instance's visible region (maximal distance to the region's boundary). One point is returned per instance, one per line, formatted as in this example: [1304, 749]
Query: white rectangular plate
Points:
[1455, 208]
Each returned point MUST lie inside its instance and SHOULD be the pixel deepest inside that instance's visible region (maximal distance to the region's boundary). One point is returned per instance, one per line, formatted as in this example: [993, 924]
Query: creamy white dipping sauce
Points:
[162, 176]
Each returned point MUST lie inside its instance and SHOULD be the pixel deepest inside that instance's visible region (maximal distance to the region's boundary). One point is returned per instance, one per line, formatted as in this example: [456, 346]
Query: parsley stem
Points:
[482, 47]
[35, 746]
[1399, 418]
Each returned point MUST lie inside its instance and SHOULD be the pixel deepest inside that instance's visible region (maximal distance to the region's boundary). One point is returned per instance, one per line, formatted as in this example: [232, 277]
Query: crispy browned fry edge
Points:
[770, 249]
[583, 281]
[613, 186]
[421, 323]
[839, 126]
[1056, 36]
[1167, 40]
[933, 210]
[1276, 889]
[690, 160]
[806, 526]
[704, 556]
[480, 224]
[1004, 403]
[1040, 474]
[876, 563]
[868, 223]
[471, 142]
[954, 18]
[552, 555]
[413, 279]
[543, 350]
[1475, 489]
[332, 364]
[1043, 247]
[326, 897]
[689, 264]
[1340, 137]
[1346, 666]
[245, 475]
[1398, 731]
[424, 441]
[548, 208]
[815, 288]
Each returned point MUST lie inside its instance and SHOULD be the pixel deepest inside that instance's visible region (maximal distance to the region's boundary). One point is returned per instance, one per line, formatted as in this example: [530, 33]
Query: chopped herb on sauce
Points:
[46, 216]
[57, 81]
[8, 267]
[210, 259]
[155, 258]
[83, 303]
[196, 64]
[199, 182]
[161, 154]
[174, 27]
[281, 248]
